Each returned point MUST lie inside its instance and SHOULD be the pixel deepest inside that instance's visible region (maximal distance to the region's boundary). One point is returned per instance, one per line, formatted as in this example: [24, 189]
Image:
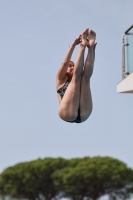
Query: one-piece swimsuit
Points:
[61, 92]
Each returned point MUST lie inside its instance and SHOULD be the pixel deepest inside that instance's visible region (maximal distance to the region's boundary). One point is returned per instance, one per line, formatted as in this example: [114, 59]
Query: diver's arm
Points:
[63, 68]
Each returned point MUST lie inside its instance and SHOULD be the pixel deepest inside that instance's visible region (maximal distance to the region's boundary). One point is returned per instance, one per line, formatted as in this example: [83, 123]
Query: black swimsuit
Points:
[61, 92]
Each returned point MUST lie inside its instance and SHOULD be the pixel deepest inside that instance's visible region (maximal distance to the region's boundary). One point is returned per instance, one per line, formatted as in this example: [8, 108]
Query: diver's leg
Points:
[85, 96]
[69, 105]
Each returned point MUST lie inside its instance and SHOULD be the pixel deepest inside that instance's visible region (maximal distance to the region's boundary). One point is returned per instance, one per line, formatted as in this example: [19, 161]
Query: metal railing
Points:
[127, 52]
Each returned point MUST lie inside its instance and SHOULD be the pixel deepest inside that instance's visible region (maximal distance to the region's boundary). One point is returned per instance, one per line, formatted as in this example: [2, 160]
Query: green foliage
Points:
[94, 177]
[77, 178]
[31, 179]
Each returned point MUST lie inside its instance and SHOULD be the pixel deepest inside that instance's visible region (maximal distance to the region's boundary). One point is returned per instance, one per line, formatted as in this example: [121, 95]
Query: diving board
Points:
[126, 85]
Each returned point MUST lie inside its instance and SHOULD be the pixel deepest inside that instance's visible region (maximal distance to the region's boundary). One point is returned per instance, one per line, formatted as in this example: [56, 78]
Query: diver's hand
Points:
[77, 41]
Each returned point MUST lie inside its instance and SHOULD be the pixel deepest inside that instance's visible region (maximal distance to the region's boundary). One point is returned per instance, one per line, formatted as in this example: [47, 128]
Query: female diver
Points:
[73, 80]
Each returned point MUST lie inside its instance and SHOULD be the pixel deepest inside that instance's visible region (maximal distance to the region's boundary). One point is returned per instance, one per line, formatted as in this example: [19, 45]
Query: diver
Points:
[73, 80]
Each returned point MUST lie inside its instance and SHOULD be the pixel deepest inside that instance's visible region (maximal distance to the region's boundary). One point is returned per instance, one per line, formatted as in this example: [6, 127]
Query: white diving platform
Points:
[126, 85]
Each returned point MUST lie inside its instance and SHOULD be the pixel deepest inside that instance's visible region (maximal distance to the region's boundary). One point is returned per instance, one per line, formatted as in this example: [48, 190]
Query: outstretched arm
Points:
[63, 68]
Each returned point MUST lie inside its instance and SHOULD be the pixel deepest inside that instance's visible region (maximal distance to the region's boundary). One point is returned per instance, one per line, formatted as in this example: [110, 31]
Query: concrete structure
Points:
[126, 85]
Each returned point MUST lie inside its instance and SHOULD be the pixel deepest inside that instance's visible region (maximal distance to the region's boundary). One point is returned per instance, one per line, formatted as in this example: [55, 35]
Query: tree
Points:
[95, 177]
[78, 179]
[31, 179]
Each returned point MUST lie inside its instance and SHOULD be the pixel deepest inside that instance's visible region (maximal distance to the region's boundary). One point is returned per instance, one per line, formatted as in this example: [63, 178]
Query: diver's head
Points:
[70, 69]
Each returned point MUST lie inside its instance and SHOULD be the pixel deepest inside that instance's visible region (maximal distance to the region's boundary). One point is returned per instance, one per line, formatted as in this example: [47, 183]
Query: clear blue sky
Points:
[34, 38]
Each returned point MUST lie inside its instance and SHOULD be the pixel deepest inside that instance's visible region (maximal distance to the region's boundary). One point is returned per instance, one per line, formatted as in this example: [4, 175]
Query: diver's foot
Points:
[84, 41]
[91, 38]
